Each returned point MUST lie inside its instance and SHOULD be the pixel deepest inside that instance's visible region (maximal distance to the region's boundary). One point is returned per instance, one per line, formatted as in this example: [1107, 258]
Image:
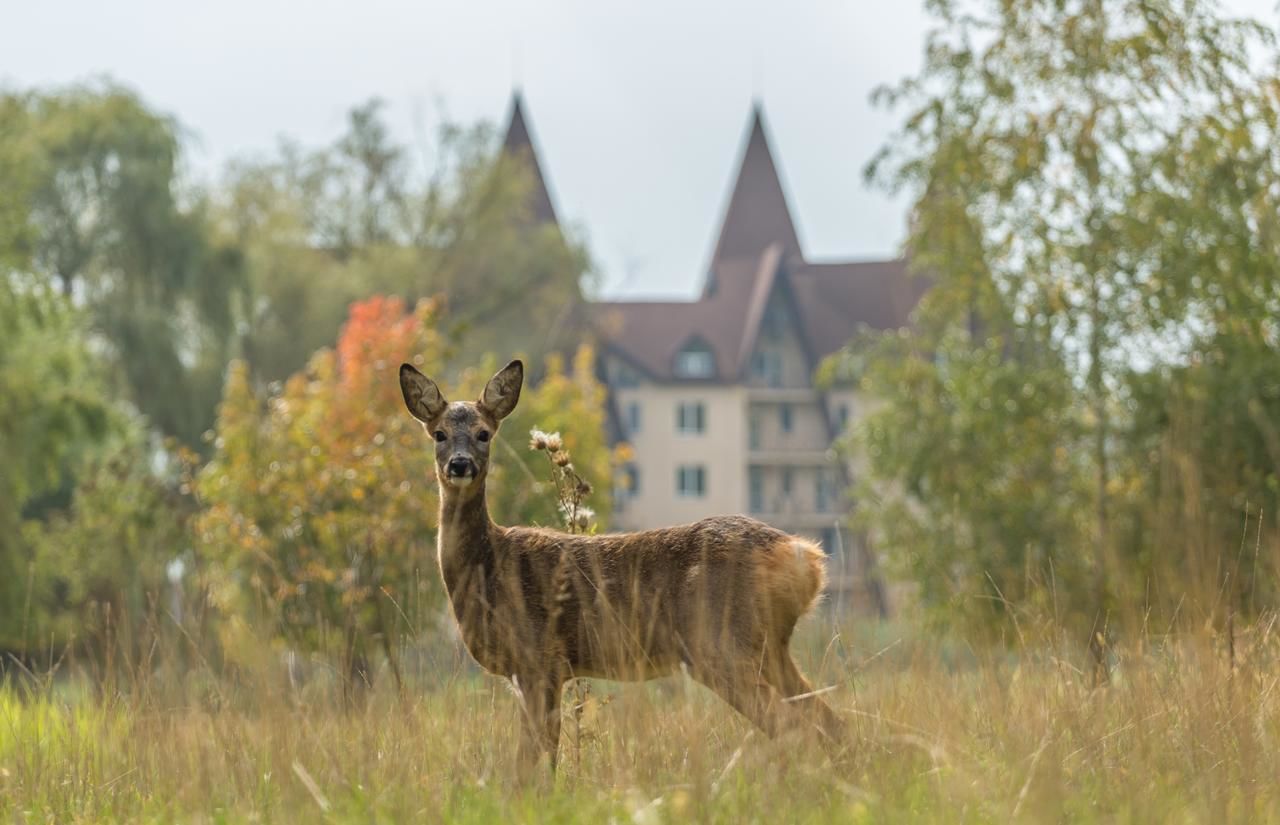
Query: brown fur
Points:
[719, 597]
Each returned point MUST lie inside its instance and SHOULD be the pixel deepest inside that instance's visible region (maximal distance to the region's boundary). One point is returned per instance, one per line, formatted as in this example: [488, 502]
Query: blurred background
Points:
[981, 295]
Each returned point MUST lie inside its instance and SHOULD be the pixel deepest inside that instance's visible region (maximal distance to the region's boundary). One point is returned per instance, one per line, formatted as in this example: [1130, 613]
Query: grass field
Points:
[944, 735]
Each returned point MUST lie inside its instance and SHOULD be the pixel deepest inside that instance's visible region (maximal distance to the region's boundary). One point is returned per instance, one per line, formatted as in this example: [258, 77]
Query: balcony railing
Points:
[782, 395]
[782, 456]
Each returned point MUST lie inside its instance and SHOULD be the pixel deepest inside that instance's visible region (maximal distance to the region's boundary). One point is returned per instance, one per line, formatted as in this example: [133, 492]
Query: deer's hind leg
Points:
[746, 690]
[800, 697]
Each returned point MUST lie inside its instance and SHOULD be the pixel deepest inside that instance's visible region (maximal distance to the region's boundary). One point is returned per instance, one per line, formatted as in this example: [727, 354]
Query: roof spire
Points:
[519, 143]
[757, 214]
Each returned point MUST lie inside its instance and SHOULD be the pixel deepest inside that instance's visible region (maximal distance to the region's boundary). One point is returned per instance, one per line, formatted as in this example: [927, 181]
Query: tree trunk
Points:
[1097, 389]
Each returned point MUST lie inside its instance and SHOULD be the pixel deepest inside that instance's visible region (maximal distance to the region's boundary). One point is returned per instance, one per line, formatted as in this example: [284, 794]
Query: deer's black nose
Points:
[459, 467]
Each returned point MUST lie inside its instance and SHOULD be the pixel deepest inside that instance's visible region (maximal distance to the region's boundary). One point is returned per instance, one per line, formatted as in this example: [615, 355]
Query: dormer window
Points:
[695, 360]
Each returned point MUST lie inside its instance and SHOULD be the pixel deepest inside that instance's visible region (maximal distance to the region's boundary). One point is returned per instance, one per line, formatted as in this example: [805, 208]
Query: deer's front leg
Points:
[540, 732]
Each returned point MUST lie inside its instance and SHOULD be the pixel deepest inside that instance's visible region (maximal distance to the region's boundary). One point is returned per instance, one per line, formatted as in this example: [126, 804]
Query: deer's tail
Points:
[793, 580]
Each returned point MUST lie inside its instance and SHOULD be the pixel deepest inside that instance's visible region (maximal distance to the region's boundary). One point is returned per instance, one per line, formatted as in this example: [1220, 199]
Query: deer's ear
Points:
[421, 395]
[503, 390]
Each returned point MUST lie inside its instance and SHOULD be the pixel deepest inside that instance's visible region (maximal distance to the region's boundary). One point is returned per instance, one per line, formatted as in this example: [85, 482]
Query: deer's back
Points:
[629, 605]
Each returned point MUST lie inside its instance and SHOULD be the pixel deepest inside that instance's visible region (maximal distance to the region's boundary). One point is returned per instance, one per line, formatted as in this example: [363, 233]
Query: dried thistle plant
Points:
[571, 495]
[571, 489]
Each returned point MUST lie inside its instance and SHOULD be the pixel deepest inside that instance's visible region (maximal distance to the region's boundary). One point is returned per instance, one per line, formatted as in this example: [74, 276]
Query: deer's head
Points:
[463, 430]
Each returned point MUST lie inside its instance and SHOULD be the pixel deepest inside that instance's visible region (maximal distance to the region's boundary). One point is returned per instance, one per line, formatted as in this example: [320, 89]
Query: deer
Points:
[718, 598]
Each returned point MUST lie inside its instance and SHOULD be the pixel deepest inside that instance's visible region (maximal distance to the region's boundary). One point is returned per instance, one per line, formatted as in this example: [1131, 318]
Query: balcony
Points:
[782, 395]
[787, 457]
[795, 509]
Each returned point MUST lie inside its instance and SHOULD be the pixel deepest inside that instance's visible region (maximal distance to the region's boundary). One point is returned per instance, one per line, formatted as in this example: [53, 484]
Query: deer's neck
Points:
[466, 532]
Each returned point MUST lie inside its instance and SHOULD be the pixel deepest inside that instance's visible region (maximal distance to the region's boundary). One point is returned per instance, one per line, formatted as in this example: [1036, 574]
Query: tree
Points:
[1033, 143]
[1213, 211]
[99, 212]
[100, 566]
[53, 409]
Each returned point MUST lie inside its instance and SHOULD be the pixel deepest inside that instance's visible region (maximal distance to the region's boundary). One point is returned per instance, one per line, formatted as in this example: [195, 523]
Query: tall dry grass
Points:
[944, 733]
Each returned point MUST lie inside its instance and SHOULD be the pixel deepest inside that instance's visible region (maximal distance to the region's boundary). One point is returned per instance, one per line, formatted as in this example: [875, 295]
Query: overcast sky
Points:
[638, 108]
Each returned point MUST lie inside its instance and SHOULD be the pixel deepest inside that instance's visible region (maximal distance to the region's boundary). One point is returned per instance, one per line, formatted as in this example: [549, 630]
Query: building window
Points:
[831, 540]
[784, 413]
[755, 477]
[691, 481]
[695, 361]
[753, 430]
[625, 376]
[691, 418]
[766, 367]
[633, 417]
[842, 418]
[626, 486]
[824, 494]
[786, 481]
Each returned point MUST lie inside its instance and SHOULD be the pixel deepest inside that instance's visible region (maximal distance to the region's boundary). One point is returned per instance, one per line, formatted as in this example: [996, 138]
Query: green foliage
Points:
[17, 176]
[1096, 187]
[983, 506]
[90, 176]
[100, 582]
[52, 411]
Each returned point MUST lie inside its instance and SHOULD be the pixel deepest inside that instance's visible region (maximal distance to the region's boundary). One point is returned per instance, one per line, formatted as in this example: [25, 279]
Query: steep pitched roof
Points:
[519, 143]
[831, 302]
[757, 214]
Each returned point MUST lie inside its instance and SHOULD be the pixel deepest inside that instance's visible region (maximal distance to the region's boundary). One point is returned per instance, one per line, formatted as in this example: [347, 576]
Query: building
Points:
[716, 395]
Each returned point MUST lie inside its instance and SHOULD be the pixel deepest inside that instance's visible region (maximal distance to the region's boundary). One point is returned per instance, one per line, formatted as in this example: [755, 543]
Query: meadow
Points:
[942, 732]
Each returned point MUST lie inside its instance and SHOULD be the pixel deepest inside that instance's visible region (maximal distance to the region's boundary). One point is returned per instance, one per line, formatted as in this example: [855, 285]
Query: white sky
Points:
[638, 108]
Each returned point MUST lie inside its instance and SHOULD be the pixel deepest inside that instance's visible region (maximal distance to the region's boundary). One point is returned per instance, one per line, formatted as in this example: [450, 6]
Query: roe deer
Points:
[541, 607]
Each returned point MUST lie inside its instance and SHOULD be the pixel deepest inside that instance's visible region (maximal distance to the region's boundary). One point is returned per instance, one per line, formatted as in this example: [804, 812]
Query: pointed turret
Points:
[519, 144]
[757, 214]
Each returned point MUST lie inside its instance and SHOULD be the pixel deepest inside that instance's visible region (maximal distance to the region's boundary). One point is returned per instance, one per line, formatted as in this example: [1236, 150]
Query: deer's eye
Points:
[439, 435]
[482, 436]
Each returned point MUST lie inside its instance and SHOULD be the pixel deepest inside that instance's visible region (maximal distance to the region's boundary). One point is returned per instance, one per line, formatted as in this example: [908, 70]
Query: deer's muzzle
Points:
[460, 467]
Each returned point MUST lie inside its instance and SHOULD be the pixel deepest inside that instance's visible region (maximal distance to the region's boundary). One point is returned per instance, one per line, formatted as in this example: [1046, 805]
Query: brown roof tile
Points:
[835, 299]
